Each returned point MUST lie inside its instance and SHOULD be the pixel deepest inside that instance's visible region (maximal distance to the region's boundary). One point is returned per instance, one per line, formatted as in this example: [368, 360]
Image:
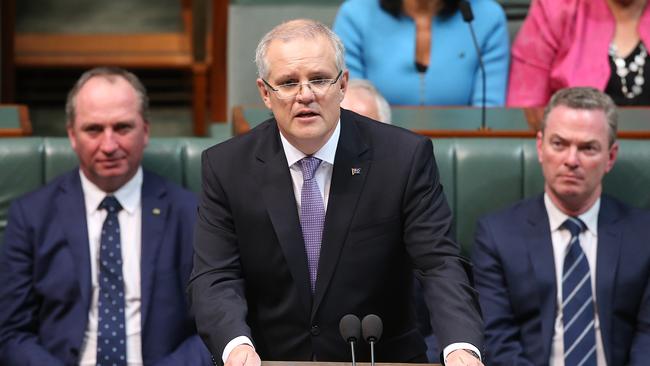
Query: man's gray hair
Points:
[111, 74]
[585, 98]
[294, 29]
[383, 108]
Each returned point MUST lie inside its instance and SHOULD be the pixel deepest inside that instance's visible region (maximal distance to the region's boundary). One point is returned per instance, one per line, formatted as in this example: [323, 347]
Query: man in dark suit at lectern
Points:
[320, 212]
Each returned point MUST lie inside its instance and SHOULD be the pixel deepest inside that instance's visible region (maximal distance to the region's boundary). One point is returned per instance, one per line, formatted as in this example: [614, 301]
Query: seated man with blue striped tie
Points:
[564, 277]
[94, 264]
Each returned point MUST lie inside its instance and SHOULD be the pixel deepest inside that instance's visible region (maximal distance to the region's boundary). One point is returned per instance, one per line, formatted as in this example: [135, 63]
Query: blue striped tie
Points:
[312, 215]
[577, 302]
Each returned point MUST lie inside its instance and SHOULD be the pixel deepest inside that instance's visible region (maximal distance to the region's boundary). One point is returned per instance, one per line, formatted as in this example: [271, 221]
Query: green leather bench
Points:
[479, 175]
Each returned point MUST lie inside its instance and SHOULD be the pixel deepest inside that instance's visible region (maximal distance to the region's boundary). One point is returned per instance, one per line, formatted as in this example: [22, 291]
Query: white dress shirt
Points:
[589, 244]
[323, 178]
[130, 219]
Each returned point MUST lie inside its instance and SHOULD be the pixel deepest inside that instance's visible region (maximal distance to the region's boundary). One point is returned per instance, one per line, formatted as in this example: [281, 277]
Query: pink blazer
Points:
[563, 43]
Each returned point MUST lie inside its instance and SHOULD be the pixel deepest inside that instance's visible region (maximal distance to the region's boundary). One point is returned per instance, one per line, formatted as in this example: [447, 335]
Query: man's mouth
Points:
[306, 114]
[571, 177]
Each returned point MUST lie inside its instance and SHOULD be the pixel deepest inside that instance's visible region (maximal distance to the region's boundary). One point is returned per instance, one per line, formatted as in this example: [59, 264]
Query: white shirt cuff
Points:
[455, 346]
[234, 343]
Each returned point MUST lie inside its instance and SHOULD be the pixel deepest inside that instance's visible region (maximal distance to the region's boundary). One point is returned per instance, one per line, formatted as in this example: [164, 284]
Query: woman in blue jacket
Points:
[420, 52]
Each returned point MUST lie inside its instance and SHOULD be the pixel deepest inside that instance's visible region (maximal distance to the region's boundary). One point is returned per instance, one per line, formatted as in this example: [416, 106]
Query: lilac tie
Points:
[312, 215]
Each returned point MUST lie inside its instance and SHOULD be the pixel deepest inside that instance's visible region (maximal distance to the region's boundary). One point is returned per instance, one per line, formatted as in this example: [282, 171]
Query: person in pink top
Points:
[599, 43]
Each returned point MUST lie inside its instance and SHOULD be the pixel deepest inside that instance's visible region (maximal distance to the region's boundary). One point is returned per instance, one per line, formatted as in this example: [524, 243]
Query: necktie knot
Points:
[110, 204]
[574, 225]
[308, 165]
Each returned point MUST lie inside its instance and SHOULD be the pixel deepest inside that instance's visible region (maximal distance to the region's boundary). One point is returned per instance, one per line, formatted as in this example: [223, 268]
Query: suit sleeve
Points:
[533, 53]
[640, 350]
[501, 330]
[443, 273]
[19, 303]
[216, 286]
[191, 351]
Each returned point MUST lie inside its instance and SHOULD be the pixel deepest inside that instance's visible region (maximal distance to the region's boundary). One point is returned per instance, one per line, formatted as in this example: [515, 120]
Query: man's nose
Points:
[305, 93]
[572, 158]
[109, 142]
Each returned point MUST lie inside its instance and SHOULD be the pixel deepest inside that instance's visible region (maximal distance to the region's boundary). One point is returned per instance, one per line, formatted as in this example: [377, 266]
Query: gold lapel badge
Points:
[156, 211]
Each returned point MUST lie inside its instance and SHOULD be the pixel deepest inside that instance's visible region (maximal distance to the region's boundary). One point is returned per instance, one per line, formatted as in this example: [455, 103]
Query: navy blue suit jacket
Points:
[45, 284]
[515, 276]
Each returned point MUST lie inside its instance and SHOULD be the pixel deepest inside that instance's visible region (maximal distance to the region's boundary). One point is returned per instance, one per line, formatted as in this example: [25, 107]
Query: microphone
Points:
[350, 328]
[468, 17]
[371, 327]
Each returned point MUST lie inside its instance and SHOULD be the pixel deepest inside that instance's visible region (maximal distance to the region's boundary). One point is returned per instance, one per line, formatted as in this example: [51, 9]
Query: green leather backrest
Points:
[629, 181]
[193, 147]
[480, 175]
[58, 157]
[21, 170]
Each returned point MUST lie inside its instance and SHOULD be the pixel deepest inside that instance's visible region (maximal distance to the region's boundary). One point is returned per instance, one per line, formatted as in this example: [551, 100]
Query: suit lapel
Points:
[72, 212]
[281, 206]
[155, 209]
[345, 190]
[609, 244]
[540, 249]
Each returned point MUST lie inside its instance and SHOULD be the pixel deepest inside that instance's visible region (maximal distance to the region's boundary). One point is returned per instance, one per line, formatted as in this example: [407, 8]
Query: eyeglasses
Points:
[289, 90]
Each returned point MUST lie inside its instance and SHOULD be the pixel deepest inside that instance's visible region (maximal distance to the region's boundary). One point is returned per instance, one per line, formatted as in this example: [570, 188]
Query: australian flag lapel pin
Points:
[356, 171]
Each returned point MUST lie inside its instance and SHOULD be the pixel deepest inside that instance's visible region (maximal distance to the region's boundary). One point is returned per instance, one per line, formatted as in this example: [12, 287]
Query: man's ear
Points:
[345, 77]
[539, 141]
[613, 154]
[71, 136]
[265, 94]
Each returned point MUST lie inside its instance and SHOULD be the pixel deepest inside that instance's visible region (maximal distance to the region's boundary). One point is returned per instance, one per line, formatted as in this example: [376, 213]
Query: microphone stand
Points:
[480, 61]
[468, 17]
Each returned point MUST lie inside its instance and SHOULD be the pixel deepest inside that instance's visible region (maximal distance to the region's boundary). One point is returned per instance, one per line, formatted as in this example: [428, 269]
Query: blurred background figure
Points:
[363, 98]
[420, 52]
[598, 43]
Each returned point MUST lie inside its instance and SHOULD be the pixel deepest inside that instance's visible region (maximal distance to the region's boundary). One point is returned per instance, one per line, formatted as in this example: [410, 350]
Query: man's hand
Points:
[461, 357]
[244, 355]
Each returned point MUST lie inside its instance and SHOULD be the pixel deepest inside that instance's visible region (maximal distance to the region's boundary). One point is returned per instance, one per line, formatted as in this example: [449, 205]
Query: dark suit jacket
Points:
[515, 276]
[45, 289]
[250, 276]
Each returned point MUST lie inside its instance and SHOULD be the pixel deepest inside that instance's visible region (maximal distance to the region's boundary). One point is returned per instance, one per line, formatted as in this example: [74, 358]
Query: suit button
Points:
[315, 330]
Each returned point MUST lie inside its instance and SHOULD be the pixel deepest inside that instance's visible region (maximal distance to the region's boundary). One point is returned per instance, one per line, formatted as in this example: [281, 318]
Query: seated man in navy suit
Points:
[564, 277]
[95, 263]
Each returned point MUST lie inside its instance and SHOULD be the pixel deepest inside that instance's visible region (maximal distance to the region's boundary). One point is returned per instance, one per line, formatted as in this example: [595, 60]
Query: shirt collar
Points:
[128, 195]
[556, 217]
[325, 153]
